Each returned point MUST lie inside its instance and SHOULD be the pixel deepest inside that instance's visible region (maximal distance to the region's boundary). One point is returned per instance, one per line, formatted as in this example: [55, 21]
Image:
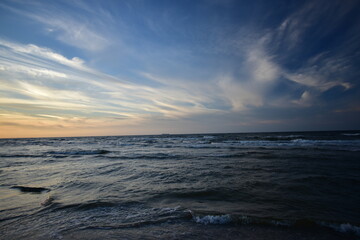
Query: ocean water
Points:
[300, 185]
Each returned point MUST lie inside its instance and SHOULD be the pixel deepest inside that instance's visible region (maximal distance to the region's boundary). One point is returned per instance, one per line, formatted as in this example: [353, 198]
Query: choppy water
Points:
[228, 186]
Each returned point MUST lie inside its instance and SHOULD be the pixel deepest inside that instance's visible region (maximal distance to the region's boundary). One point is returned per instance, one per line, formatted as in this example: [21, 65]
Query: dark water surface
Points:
[302, 185]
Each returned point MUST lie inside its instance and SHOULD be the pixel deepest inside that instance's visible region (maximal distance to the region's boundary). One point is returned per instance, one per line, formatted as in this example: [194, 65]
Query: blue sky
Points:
[74, 68]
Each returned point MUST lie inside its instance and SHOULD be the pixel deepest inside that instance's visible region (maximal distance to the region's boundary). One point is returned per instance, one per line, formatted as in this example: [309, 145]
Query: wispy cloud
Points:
[74, 32]
[128, 65]
[72, 29]
[74, 86]
[48, 87]
[294, 58]
[322, 73]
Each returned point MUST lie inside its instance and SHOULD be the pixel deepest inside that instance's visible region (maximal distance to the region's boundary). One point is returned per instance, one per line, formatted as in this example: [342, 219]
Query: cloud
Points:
[323, 72]
[179, 70]
[47, 83]
[15, 52]
[238, 94]
[80, 31]
[201, 95]
[75, 33]
[312, 20]
[305, 99]
[303, 52]
[263, 68]
[34, 72]
[315, 80]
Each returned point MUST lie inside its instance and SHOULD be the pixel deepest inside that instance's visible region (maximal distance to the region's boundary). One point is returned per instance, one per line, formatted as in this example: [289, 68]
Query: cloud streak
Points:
[71, 29]
[74, 86]
[128, 65]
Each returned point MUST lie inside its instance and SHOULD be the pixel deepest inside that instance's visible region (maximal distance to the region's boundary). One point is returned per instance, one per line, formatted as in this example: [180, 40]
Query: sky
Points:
[123, 67]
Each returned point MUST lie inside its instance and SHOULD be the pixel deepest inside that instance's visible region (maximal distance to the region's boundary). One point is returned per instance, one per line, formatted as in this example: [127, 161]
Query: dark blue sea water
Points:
[302, 185]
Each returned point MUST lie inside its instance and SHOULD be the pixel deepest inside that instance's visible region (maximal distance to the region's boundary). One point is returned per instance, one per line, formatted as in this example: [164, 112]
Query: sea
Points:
[285, 185]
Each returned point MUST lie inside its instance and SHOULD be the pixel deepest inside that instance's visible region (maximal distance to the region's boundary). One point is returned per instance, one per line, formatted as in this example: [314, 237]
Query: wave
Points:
[12, 217]
[136, 214]
[281, 137]
[202, 145]
[113, 169]
[147, 156]
[21, 155]
[85, 206]
[220, 219]
[132, 224]
[332, 142]
[209, 137]
[197, 194]
[109, 154]
[351, 134]
[79, 152]
[234, 155]
[141, 217]
[211, 219]
[343, 227]
[270, 143]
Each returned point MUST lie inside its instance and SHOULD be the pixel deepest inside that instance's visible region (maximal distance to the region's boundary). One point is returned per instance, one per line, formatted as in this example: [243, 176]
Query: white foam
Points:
[169, 209]
[210, 219]
[344, 227]
[266, 143]
[351, 134]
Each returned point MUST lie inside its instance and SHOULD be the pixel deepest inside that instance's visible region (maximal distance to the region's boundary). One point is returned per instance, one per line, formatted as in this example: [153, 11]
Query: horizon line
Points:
[172, 134]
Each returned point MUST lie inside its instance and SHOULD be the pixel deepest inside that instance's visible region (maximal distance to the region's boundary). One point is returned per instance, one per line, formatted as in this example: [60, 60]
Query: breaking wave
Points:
[300, 223]
[211, 219]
